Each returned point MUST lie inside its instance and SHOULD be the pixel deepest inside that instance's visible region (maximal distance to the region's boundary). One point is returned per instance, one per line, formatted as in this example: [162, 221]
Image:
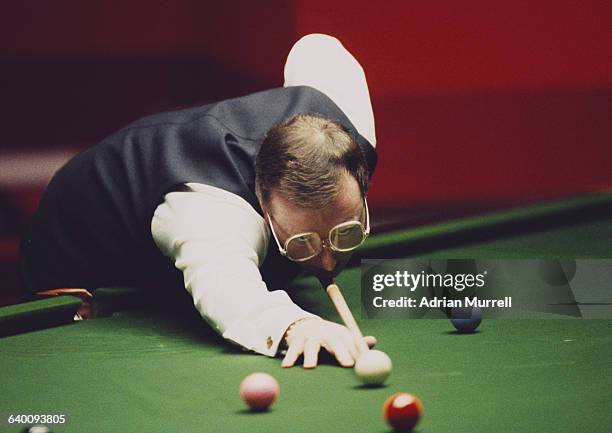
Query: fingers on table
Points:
[350, 345]
[310, 348]
[370, 341]
[295, 349]
[311, 352]
[341, 350]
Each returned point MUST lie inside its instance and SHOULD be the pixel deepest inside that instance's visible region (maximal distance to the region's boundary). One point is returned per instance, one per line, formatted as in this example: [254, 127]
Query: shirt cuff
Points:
[264, 333]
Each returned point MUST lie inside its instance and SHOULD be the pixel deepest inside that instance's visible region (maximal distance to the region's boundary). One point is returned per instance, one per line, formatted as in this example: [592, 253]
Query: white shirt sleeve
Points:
[218, 241]
[321, 61]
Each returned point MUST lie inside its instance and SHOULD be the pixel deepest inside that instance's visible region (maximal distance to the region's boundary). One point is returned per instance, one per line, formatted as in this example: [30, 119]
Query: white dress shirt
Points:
[219, 241]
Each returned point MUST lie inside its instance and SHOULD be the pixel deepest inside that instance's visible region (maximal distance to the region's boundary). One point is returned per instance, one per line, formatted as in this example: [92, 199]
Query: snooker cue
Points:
[334, 293]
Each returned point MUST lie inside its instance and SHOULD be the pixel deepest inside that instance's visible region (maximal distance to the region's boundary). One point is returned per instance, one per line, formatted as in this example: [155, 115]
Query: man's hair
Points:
[305, 159]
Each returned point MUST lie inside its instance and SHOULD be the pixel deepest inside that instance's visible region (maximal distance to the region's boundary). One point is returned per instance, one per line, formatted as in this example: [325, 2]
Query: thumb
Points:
[370, 341]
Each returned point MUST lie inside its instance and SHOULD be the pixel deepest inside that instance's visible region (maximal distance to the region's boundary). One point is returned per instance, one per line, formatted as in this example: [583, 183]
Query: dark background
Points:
[478, 104]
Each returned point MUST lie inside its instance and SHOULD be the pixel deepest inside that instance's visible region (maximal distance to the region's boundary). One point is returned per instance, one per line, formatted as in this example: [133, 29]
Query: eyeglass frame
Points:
[283, 250]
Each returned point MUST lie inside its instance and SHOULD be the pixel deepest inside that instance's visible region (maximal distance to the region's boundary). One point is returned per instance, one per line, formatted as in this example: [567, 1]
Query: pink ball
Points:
[259, 390]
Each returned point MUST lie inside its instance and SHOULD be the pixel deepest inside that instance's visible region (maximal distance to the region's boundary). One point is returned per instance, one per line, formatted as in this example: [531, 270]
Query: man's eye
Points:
[345, 231]
[303, 238]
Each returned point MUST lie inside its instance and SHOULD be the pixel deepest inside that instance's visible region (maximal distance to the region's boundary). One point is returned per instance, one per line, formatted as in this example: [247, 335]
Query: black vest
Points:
[93, 225]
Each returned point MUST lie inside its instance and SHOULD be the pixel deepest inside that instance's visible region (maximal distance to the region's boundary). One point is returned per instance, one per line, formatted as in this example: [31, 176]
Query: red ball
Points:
[259, 391]
[402, 411]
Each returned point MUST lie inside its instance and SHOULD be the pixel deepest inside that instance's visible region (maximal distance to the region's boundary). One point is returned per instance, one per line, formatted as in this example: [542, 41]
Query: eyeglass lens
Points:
[344, 237]
[301, 247]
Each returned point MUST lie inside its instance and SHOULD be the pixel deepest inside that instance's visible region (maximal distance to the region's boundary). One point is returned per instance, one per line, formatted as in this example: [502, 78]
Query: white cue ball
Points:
[373, 367]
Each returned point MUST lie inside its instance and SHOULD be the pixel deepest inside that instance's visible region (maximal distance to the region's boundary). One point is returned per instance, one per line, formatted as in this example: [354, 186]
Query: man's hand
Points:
[307, 336]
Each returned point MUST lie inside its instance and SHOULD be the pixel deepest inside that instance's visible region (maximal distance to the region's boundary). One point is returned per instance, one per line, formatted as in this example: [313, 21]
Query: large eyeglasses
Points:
[344, 237]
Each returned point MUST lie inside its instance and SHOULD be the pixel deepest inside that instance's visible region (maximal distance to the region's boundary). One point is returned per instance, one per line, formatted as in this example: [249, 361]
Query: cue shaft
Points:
[334, 293]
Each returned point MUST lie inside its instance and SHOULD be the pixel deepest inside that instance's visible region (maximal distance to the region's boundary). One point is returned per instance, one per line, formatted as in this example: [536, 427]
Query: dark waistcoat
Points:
[93, 225]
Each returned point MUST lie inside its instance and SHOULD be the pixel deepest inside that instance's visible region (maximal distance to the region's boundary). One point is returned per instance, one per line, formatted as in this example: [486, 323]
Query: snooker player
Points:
[227, 201]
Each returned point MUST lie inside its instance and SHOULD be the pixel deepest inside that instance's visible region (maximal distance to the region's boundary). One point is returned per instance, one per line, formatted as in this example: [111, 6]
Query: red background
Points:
[473, 100]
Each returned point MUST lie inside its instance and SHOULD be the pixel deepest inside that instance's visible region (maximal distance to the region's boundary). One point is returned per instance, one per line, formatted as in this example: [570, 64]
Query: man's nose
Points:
[328, 261]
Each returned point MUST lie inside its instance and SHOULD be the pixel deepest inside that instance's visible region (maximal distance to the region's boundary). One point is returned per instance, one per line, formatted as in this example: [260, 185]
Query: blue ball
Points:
[466, 319]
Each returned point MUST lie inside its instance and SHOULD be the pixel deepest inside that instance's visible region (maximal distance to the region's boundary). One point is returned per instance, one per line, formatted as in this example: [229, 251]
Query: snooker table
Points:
[144, 367]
